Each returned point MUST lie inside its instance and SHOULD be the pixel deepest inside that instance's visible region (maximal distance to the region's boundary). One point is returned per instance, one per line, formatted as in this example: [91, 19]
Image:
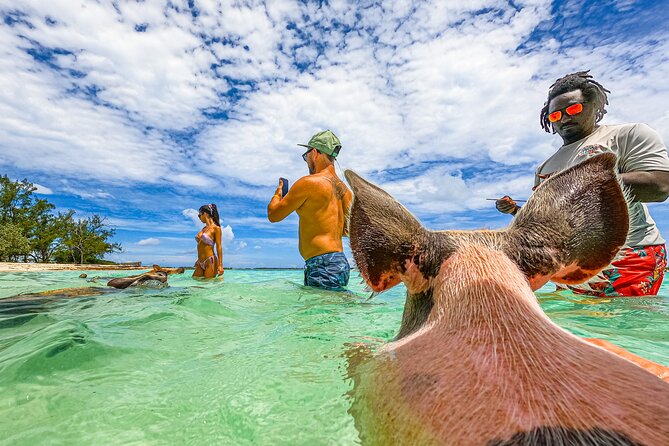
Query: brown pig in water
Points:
[476, 361]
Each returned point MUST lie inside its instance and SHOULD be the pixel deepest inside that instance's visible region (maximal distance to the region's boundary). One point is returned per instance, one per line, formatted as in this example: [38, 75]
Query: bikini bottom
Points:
[203, 263]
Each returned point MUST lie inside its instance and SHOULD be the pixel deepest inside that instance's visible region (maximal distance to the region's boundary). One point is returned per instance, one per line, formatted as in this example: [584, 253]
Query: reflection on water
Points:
[257, 359]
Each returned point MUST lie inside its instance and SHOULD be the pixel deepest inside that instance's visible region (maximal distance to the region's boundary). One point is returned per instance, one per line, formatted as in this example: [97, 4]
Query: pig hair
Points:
[489, 367]
[477, 361]
[593, 92]
[567, 237]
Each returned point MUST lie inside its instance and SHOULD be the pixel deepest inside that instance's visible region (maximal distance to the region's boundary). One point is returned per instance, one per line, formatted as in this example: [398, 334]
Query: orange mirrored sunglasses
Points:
[573, 109]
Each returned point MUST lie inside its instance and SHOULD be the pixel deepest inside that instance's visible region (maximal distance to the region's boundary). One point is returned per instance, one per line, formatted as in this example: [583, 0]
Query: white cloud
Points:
[227, 236]
[151, 241]
[195, 180]
[194, 215]
[425, 99]
[87, 193]
[39, 189]
[404, 84]
[149, 226]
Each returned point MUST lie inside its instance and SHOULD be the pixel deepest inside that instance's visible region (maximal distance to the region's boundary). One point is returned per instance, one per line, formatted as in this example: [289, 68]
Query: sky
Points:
[142, 111]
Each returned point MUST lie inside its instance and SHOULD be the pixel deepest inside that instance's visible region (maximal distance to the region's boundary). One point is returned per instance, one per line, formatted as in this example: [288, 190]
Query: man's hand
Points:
[279, 190]
[220, 271]
[506, 205]
[280, 207]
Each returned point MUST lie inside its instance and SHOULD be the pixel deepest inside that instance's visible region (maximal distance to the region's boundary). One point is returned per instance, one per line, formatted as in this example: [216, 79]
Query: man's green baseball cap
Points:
[325, 142]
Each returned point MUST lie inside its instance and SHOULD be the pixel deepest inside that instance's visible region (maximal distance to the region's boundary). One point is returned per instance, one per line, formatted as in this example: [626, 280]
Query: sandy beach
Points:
[10, 267]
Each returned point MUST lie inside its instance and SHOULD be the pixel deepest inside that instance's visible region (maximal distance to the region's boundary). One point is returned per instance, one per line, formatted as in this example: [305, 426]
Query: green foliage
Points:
[47, 236]
[30, 230]
[85, 240]
[12, 243]
[15, 200]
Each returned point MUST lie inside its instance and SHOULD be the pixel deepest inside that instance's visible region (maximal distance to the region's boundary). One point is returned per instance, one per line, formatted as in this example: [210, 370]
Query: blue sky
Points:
[141, 111]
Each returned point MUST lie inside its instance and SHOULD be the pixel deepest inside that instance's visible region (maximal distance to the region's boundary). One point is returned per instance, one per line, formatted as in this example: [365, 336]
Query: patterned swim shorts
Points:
[329, 271]
[636, 271]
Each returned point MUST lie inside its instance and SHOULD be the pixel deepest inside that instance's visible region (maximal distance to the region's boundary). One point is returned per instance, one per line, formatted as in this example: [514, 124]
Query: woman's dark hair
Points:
[212, 211]
[593, 92]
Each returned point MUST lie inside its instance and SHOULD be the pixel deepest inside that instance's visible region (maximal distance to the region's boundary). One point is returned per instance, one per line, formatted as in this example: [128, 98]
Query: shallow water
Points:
[258, 359]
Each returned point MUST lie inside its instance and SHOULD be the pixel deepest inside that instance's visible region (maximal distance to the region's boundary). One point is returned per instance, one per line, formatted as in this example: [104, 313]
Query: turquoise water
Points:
[258, 359]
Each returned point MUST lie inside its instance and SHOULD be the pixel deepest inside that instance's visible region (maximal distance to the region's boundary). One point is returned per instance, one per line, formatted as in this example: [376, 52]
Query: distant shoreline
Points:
[18, 267]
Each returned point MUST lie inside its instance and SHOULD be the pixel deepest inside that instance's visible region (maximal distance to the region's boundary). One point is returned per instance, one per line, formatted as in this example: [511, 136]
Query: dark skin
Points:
[649, 186]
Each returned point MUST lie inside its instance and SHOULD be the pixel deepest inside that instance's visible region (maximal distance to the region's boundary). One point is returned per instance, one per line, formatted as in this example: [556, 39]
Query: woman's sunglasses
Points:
[573, 109]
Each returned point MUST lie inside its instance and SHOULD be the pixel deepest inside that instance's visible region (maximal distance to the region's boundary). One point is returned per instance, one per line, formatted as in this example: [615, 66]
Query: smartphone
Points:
[284, 190]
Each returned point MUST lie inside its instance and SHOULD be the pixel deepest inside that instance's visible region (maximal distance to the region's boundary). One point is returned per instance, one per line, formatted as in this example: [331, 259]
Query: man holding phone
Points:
[323, 202]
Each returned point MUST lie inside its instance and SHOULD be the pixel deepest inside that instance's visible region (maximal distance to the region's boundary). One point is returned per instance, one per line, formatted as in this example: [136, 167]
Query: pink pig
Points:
[476, 361]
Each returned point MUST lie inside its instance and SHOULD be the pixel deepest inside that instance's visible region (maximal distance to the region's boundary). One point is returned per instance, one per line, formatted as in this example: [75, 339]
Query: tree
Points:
[86, 240]
[15, 200]
[12, 242]
[47, 237]
[26, 219]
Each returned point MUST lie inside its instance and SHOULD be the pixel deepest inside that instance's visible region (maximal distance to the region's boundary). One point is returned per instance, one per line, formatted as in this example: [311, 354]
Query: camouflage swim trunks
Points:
[329, 271]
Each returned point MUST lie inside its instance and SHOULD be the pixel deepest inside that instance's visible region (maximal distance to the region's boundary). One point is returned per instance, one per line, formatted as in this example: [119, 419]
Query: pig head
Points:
[569, 230]
[130, 281]
[476, 361]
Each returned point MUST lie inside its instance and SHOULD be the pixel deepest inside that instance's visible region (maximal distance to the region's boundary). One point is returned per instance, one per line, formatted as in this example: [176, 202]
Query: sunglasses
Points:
[304, 155]
[572, 110]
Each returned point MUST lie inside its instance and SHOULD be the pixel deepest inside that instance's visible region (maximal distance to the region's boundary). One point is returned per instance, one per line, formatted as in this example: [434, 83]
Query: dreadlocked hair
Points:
[593, 92]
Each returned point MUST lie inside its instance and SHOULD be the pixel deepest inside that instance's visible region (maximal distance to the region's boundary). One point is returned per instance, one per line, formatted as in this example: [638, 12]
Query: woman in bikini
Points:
[208, 263]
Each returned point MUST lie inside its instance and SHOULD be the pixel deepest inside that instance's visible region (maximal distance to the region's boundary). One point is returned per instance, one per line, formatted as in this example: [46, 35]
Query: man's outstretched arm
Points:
[280, 207]
[651, 186]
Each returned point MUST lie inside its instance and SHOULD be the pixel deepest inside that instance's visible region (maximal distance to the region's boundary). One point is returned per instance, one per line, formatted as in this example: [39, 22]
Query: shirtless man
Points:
[322, 202]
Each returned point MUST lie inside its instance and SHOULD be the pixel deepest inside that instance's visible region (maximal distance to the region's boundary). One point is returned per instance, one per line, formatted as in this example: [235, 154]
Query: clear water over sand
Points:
[258, 359]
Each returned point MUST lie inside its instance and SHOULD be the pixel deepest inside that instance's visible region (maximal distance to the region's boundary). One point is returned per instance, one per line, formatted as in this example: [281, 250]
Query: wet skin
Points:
[205, 251]
[322, 202]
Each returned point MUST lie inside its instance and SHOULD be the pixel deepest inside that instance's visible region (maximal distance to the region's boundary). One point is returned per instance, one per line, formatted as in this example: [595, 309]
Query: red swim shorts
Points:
[636, 271]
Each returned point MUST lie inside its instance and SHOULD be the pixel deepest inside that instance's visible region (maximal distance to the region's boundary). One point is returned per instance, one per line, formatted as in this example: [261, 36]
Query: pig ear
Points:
[383, 234]
[574, 223]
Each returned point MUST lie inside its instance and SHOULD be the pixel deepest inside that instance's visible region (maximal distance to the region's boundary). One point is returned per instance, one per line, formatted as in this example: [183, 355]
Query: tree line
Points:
[30, 229]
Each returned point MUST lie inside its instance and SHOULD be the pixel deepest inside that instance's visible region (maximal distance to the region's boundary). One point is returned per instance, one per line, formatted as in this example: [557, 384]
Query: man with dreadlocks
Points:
[575, 105]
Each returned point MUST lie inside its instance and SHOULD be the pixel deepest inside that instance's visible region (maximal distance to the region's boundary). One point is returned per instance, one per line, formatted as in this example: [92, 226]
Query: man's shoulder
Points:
[633, 129]
[312, 184]
[626, 126]
[308, 180]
